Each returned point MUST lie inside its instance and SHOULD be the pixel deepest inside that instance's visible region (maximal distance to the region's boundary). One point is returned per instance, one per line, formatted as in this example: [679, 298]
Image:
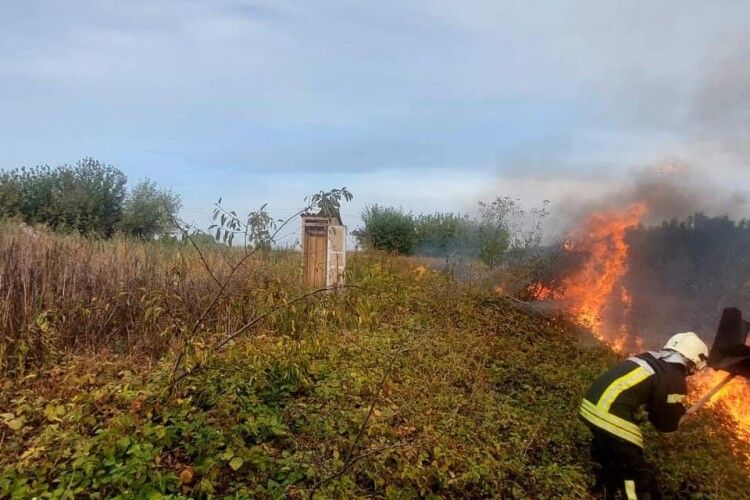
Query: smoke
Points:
[720, 105]
[687, 258]
[670, 190]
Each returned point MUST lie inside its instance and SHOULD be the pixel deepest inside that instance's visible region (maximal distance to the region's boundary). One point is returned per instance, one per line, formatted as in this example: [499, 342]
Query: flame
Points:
[598, 285]
[542, 292]
[589, 291]
[734, 397]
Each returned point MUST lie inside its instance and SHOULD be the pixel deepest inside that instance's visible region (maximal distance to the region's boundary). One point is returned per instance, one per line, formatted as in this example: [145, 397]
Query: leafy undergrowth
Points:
[408, 386]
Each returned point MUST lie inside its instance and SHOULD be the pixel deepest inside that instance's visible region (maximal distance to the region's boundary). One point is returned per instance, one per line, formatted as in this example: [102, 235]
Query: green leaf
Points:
[236, 463]
[53, 412]
[15, 424]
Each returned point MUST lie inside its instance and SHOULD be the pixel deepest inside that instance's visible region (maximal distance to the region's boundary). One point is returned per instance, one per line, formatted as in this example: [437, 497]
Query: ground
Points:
[407, 385]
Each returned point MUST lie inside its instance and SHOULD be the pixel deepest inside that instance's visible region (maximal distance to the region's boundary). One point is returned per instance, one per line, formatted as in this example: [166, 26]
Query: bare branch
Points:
[351, 459]
[200, 254]
[249, 325]
[348, 465]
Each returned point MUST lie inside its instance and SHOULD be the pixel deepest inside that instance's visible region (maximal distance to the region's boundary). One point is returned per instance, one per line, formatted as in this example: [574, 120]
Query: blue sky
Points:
[428, 105]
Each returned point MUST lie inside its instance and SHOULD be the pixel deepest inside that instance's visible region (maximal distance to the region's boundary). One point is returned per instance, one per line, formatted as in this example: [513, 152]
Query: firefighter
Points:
[614, 405]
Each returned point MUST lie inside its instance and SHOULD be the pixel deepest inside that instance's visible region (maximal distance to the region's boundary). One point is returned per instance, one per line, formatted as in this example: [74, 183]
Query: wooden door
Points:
[315, 248]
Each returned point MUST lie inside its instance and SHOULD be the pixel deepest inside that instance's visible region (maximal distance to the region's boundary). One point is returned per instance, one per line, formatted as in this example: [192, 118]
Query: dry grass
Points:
[69, 294]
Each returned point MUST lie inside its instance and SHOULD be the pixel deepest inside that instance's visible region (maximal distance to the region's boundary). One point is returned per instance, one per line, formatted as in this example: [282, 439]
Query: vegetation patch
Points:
[409, 384]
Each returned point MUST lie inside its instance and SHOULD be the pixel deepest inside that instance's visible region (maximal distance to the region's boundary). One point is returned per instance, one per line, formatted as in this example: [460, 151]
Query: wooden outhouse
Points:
[323, 251]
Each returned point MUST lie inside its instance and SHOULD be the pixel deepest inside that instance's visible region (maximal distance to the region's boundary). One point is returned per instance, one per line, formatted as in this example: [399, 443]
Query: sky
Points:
[425, 105]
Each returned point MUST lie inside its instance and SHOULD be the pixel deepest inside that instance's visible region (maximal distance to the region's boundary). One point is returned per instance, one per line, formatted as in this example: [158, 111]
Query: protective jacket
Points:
[615, 401]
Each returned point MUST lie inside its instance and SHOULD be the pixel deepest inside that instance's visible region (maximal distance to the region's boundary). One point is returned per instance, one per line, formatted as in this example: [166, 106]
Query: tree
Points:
[494, 232]
[388, 229]
[506, 228]
[149, 211]
[328, 203]
[446, 235]
[86, 197]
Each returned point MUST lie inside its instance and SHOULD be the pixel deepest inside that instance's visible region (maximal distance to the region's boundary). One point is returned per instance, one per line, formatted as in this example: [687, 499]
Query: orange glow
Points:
[735, 397]
[542, 292]
[590, 290]
[597, 286]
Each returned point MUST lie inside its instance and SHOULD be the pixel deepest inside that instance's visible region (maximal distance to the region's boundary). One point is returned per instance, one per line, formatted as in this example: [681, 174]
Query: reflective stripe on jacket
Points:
[616, 399]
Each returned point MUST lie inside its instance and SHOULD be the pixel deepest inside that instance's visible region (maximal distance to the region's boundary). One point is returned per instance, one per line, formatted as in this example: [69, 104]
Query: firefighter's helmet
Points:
[691, 346]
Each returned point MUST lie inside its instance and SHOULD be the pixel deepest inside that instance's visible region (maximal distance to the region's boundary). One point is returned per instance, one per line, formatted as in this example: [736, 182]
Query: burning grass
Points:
[597, 298]
[409, 385]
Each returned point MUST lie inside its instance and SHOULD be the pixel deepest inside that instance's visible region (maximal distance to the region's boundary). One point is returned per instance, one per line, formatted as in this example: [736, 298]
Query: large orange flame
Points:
[735, 397]
[598, 285]
[591, 289]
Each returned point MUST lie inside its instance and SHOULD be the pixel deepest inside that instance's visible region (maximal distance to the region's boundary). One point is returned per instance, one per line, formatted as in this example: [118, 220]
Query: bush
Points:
[502, 229]
[149, 211]
[85, 198]
[446, 234]
[388, 229]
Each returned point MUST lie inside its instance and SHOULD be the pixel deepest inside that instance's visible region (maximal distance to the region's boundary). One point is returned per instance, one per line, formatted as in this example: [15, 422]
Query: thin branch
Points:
[245, 327]
[353, 461]
[350, 458]
[263, 316]
[223, 286]
[186, 233]
[185, 229]
[531, 440]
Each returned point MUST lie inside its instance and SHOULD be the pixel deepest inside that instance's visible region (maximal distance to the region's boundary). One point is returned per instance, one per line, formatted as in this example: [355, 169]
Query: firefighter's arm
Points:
[666, 408]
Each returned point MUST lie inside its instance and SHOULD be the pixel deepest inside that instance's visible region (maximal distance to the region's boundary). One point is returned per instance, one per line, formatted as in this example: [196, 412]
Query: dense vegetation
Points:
[501, 228]
[407, 384]
[88, 198]
[684, 272]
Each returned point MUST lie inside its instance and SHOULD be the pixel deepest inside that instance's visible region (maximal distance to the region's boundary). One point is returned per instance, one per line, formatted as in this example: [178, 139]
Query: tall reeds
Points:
[61, 294]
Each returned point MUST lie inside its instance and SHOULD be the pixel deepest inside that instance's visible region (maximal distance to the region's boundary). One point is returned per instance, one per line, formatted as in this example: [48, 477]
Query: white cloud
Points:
[454, 100]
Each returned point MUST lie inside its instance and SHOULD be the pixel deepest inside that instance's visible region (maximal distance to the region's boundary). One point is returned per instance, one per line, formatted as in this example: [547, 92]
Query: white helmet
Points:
[691, 346]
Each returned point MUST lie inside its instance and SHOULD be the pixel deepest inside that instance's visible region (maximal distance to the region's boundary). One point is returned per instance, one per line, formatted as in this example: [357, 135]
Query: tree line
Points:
[500, 228]
[89, 198]
[682, 273]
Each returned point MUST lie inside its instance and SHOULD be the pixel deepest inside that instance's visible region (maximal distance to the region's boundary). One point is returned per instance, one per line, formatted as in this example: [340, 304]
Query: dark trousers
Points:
[619, 467]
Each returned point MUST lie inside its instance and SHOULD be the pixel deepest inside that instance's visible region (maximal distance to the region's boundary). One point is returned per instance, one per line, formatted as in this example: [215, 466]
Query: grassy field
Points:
[409, 384]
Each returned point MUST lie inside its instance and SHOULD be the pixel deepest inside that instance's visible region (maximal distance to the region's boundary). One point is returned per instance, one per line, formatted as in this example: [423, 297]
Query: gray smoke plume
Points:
[672, 190]
[688, 260]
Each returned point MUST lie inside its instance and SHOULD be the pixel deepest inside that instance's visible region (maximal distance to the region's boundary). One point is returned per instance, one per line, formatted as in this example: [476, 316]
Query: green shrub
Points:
[149, 211]
[446, 234]
[85, 198]
[388, 229]
[89, 197]
[502, 228]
